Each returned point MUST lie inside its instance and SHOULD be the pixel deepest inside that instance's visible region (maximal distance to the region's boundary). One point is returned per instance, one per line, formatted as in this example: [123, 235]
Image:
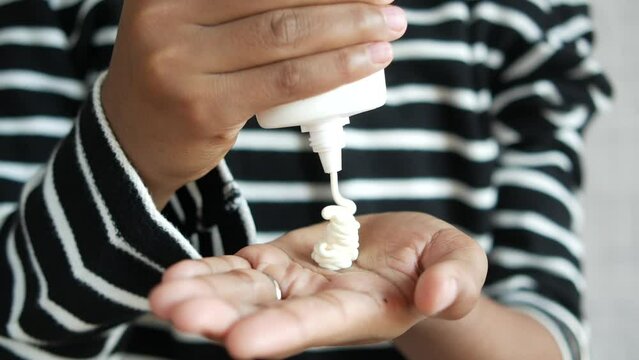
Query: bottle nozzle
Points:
[331, 161]
[327, 139]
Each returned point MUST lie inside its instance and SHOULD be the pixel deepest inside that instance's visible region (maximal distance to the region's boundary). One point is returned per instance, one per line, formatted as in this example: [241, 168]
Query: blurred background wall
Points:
[612, 192]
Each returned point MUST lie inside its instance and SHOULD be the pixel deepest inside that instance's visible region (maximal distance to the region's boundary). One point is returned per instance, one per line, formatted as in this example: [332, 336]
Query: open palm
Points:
[411, 266]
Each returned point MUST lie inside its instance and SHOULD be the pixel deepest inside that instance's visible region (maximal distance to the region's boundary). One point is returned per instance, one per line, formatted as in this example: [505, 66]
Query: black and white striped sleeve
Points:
[544, 99]
[82, 242]
[83, 247]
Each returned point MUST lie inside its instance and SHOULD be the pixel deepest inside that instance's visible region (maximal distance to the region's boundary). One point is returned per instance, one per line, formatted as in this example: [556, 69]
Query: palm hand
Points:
[410, 266]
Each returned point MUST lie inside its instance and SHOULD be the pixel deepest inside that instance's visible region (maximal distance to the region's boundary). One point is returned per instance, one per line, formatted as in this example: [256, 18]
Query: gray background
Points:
[612, 194]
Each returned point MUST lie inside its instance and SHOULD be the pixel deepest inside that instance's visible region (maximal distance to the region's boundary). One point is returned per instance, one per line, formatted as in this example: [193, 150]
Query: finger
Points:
[329, 318]
[295, 280]
[205, 266]
[276, 84]
[454, 272]
[211, 12]
[242, 286]
[209, 317]
[291, 33]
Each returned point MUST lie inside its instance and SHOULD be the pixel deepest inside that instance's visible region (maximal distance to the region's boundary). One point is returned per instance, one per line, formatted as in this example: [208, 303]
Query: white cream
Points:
[324, 116]
[340, 246]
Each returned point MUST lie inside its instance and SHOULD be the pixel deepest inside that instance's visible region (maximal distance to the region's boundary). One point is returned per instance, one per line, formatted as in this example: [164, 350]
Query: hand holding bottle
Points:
[187, 75]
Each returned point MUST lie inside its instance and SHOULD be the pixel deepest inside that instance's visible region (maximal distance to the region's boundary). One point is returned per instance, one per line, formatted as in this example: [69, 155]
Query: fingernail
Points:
[447, 296]
[380, 52]
[395, 18]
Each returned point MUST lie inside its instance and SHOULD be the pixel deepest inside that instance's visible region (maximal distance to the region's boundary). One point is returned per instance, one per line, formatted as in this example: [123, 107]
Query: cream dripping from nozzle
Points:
[340, 245]
[323, 117]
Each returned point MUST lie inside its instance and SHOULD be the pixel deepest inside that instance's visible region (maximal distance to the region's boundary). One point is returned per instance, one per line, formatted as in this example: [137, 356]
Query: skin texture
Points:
[186, 75]
[411, 266]
[489, 332]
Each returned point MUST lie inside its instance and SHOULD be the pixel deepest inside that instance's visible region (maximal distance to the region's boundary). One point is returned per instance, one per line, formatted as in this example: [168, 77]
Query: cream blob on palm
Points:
[324, 117]
[340, 245]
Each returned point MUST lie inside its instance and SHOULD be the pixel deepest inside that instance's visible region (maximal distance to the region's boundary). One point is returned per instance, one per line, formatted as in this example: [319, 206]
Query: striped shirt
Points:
[488, 103]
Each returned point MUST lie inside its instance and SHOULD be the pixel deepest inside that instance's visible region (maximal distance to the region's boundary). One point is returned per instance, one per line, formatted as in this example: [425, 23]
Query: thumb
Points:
[454, 270]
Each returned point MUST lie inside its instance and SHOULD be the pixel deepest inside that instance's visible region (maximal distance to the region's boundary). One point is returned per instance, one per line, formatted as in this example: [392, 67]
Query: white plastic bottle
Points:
[324, 116]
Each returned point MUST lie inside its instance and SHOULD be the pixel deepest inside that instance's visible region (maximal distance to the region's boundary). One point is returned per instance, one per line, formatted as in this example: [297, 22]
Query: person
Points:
[488, 101]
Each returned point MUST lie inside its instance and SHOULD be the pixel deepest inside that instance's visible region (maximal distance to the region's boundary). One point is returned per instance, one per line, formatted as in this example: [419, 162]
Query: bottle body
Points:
[363, 95]
[324, 115]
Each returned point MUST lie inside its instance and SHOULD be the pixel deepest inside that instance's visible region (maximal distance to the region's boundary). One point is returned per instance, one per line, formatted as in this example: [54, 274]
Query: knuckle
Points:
[150, 17]
[286, 27]
[180, 99]
[158, 76]
[289, 79]
[160, 62]
[366, 16]
[177, 270]
[255, 255]
[342, 64]
[446, 241]
[235, 262]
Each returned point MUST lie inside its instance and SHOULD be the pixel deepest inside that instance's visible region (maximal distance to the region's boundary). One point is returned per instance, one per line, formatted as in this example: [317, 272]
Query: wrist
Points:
[438, 338]
[127, 135]
[490, 331]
